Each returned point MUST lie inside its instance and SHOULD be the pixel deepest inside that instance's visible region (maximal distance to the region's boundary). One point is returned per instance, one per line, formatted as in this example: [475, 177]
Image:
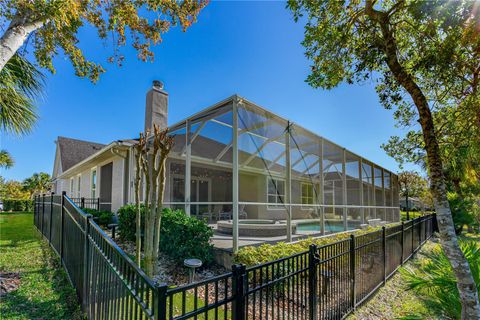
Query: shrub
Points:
[102, 217]
[17, 205]
[126, 221]
[183, 237]
[435, 282]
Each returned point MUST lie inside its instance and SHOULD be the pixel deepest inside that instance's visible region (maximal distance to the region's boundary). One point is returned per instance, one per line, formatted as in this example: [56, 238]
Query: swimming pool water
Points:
[329, 227]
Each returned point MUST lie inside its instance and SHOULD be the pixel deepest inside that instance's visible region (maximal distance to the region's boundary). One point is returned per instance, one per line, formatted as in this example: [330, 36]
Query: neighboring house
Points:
[270, 169]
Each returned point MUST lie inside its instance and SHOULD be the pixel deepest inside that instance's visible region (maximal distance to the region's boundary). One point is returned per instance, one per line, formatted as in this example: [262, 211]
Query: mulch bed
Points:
[170, 271]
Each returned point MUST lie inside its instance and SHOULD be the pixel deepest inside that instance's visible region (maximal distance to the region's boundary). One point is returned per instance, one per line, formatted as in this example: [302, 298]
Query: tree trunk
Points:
[15, 36]
[465, 282]
[158, 218]
[138, 218]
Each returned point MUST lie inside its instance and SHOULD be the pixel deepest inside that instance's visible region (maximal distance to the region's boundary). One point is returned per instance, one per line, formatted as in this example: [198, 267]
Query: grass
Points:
[44, 291]
[395, 301]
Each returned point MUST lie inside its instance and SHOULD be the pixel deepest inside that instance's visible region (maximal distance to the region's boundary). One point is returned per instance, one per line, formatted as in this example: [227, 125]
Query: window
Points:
[307, 193]
[79, 182]
[94, 182]
[71, 187]
[275, 191]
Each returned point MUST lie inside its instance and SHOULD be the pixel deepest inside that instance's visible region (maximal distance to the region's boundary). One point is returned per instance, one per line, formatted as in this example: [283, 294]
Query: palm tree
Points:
[6, 160]
[38, 183]
[20, 84]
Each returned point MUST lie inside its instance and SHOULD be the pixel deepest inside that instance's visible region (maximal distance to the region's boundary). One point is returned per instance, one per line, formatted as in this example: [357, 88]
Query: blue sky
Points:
[250, 48]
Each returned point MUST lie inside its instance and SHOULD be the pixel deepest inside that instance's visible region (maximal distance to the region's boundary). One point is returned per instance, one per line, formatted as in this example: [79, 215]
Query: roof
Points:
[73, 151]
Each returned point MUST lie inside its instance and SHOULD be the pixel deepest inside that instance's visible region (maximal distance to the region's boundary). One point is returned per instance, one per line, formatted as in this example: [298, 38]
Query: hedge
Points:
[101, 217]
[126, 221]
[181, 236]
[253, 255]
[17, 205]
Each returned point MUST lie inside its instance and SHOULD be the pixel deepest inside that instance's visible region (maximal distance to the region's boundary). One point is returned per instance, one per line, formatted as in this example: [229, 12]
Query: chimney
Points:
[156, 108]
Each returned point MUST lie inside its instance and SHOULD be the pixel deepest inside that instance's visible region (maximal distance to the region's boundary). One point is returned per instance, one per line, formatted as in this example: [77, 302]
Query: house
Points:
[236, 160]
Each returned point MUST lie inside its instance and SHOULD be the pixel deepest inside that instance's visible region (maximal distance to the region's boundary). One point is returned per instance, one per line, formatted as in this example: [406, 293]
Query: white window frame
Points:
[275, 205]
[79, 186]
[93, 188]
[72, 183]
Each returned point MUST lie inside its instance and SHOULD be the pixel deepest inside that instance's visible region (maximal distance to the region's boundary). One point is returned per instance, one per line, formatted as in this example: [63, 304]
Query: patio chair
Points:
[228, 215]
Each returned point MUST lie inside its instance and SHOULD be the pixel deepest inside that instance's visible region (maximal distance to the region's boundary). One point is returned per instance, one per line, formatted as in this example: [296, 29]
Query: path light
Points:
[192, 264]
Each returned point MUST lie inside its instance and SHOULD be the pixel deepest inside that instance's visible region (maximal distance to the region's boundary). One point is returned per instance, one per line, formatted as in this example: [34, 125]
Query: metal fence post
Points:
[82, 202]
[51, 214]
[160, 303]
[403, 240]
[35, 210]
[352, 271]
[238, 288]
[86, 246]
[62, 214]
[43, 211]
[312, 281]
[98, 204]
[435, 223]
[413, 239]
[384, 244]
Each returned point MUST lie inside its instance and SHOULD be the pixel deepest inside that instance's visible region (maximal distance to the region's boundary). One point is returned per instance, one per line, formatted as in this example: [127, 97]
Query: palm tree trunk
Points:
[15, 36]
[448, 239]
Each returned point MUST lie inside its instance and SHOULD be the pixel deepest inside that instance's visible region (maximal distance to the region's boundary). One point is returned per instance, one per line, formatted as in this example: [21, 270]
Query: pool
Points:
[315, 226]
[255, 228]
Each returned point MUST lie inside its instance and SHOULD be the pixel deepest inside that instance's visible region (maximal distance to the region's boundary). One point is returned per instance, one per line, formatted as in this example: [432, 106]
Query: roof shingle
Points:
[73, 151]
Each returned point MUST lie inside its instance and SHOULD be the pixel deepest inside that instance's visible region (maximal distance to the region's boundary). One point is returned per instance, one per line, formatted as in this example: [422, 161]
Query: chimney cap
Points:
[157, 84]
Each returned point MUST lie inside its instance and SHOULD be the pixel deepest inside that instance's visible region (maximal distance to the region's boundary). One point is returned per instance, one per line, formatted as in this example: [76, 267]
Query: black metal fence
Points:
[87, 203]
[326, 282]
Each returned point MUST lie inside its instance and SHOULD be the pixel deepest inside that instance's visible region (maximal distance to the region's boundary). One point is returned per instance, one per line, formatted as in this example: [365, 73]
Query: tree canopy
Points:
[38, 183]
[6, 160]
[424, 57]
[21, 84]
[51, 27]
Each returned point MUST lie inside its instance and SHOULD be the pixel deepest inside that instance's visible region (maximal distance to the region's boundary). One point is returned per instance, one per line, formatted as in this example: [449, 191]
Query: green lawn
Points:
[44, 291]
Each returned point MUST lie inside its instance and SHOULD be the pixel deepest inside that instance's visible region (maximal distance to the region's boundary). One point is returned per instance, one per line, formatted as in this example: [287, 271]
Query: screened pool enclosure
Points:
[253, 174]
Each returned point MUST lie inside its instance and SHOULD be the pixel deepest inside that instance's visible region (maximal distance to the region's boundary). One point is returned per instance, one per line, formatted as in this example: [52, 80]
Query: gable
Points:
[73, 151]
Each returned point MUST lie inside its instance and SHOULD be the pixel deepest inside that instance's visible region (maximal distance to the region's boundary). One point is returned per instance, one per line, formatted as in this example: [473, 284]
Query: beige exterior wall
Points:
[85, 176]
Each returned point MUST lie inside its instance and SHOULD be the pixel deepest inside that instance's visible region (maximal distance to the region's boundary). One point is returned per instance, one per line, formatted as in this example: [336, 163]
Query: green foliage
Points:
[435, 282]
[20, 84]
[464, 211]
[253, 255]
[126, 221]
[38, 183]
[55, 25]
[102, 217]
[183, 237]
[17, 205]
[6, 160]
[12, 189]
